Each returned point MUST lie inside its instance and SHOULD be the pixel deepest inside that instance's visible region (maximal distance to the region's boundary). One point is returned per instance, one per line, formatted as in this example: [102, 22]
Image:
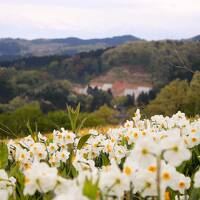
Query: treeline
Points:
[179, 95]
[30, 117]
[164, 60]
[43, 84]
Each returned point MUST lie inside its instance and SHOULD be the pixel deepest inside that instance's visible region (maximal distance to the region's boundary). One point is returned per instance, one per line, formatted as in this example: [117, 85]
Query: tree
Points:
[192, 102]
[7, 91]
[100, 97]
[56, 92]
[143, 99]
[170, 100]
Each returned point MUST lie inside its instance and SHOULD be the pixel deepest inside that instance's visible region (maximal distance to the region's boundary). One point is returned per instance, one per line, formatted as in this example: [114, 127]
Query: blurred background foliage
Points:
[38, 90]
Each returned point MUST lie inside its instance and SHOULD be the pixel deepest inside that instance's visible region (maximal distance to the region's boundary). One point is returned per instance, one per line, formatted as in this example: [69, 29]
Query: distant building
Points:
[128, 92]
[106, 86]
[83, 90]
[136, 91]
[80, 90]
[118, 88]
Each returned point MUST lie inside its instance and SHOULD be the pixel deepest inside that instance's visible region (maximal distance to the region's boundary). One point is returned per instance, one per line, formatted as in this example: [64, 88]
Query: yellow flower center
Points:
[145, 151]
[175, 148]
[143, 133]
[95, 145]
[26, 180]
[135, 135]
[23, 155]
[193, 130]
[194, 139]
[127, 170]
[166, 176]
[109, 149]
[40, 154]
[167, 196]
[147, 185]
[152, 168]
[181, 184]
[52, 148]
[26, 166]
[118, 181]
[112, 140]
[68, 137]
[185, 141]
[127, 138]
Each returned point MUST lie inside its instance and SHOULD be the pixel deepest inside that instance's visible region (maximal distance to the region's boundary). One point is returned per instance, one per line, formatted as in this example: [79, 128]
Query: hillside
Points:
[196, 38]
[164, 61]
[121, 81]
[35, 88]
[44, 47]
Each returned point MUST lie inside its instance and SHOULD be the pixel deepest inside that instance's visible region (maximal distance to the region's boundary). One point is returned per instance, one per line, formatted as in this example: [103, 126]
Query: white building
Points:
[128, 92]
[137, 91]
[106, 86]
[83, 90]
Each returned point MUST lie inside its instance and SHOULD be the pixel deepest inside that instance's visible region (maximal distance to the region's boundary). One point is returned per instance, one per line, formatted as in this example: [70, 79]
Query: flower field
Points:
[156, 158]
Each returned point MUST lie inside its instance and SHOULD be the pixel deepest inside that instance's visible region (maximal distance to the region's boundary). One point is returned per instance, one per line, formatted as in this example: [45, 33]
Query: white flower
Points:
[52, 148]
[145, 183]
[4, 194]
[27, 141]
[132, 135]
[68, 137]
[175, 150]
[71, 193]
[42, 138]
[145, 151]
[118, 153]
[6, 185]
[62, 155]
[63, 185]
[38, 151]
[108, 146]
[130, 167]
[137, 116]
[113, 181]
[168, 176]
[40, 177]
[181, 183]
[128, 124]
[197, 179]
[54, 161]
[22, 155]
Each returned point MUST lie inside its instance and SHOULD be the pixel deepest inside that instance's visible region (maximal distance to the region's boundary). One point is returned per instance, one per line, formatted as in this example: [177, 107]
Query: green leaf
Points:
[83, 140]
[31, 132]
[195, 194]
[73, 115]
[16, 172]
[105, 160]
[81, 124]
[3, 155]
[90, 189]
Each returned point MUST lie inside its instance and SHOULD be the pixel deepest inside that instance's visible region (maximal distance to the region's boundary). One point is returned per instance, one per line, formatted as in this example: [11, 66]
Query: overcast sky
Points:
[148, 19]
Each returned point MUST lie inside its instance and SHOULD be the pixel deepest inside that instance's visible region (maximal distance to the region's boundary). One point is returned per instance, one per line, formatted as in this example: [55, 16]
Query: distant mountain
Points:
[196, 38]
[12, 48]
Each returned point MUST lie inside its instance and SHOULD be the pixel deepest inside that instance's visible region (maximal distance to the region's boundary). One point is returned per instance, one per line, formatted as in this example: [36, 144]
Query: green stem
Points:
[158, 177]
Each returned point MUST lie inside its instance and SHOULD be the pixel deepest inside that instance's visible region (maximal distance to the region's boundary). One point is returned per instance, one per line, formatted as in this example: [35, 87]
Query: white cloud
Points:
[99, 18]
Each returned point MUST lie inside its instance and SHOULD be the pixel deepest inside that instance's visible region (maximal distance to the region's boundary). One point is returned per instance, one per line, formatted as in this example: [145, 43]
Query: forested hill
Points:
[196, 38]
[13, 48]
[163, 60]
[50, 81]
